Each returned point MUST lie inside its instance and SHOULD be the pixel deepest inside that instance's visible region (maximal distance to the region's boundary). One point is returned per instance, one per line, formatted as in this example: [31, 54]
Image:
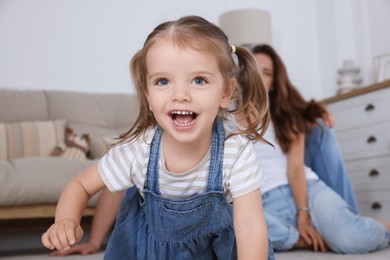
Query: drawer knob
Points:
[373, 173]
[371, 139]
[376, 206]
[370, 107]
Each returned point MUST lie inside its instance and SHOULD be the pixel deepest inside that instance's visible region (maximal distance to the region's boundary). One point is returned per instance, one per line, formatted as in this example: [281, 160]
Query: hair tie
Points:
[233, 48]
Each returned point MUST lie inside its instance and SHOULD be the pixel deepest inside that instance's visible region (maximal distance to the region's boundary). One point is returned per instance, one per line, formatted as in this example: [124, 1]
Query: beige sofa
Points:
[31, 180]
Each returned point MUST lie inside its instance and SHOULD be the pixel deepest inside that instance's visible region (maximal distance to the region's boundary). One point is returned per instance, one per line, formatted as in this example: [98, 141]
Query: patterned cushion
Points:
[30, 138]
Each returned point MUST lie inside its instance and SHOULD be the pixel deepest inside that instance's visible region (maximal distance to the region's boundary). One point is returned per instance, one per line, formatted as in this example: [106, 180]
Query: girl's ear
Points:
[228, 93]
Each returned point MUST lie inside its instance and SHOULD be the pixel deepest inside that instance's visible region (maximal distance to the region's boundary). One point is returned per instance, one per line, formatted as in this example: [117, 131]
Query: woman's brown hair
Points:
[290, 112]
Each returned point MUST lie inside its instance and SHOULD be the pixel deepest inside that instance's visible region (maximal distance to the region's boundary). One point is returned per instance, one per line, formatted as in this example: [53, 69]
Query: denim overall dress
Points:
[199, 227]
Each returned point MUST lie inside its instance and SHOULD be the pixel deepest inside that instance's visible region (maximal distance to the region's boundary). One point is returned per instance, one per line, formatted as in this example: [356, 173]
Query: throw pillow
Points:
[30, 138]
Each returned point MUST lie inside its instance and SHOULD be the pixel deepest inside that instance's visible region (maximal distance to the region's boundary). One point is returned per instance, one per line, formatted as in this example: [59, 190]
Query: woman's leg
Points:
[323, 156]
[343, 230]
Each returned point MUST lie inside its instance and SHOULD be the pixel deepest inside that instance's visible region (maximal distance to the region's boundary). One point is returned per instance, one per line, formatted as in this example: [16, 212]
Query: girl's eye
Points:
[162, 82]
[199, 81]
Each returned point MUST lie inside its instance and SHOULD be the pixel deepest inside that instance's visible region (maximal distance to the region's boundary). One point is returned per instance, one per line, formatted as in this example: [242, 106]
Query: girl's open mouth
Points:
[183, 118]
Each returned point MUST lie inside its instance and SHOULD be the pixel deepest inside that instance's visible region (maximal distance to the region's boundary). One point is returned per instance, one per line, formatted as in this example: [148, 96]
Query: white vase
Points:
[348, 77]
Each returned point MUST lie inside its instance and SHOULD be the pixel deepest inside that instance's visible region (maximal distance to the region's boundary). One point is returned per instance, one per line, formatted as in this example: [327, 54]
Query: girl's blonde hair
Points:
[250, 96]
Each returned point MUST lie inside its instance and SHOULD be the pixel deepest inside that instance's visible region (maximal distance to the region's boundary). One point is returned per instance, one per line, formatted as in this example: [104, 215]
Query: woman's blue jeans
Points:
[342, 230]
[323, 156]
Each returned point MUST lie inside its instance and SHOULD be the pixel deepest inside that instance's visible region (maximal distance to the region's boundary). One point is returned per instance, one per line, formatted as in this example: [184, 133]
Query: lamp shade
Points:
[247, 27]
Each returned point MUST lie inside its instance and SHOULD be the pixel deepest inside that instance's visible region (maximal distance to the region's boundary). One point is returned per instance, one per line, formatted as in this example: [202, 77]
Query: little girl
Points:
[194, 175]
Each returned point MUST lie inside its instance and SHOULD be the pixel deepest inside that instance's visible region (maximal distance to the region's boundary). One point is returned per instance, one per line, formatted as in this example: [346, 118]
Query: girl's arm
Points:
[107, 208]
[66, 230]
[309, 237]
[249, 226]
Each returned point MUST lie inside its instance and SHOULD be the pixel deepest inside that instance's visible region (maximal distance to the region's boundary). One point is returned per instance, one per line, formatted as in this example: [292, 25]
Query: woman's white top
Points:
[273, 162]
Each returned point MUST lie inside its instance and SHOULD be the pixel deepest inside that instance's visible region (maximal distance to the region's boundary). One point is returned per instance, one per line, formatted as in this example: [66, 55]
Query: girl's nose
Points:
[181, 93]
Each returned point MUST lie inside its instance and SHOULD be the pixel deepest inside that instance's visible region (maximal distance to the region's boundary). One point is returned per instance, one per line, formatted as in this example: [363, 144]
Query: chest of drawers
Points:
[363, 132]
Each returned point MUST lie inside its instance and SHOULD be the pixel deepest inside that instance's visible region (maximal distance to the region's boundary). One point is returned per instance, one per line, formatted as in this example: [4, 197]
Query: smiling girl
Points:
[193, 176]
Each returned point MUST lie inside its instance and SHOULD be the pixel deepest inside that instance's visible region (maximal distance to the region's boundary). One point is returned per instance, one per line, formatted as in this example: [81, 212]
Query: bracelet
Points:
[304, 209]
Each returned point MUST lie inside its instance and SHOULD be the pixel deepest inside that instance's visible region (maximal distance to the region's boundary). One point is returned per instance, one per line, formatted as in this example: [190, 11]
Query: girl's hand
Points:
[62, 234]
[309, 234]
[83, 249]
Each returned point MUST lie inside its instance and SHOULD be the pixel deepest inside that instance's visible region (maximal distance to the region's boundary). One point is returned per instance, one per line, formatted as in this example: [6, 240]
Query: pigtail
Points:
[145, 116]
[251, 96]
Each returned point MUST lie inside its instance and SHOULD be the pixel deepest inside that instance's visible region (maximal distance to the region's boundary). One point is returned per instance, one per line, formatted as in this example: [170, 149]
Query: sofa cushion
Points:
[30, 138]
[105, 110]
[99, 145]
[97, 114]
[37, 180]
[23, 105]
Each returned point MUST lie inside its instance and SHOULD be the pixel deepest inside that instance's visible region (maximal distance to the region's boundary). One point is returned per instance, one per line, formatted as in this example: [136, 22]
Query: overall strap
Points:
[215, 182]
[152, 173]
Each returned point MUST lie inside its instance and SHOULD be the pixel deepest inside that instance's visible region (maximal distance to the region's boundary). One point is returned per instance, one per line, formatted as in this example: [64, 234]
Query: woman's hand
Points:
[329, 119]
[62, 234]
[82, 249]
[309, 234]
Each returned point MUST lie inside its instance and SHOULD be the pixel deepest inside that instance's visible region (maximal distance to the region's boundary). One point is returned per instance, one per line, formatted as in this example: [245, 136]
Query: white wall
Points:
[351, 29]
[87, 44]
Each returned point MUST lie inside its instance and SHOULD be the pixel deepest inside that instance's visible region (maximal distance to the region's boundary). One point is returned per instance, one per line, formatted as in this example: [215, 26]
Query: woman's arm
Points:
[249, 227]
[66, 230]
[104, 218]
[309, 237]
